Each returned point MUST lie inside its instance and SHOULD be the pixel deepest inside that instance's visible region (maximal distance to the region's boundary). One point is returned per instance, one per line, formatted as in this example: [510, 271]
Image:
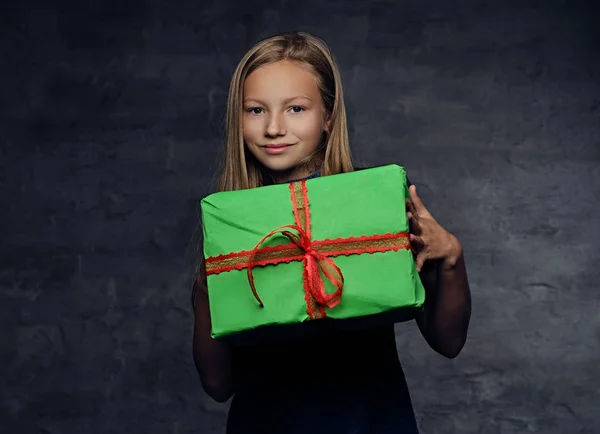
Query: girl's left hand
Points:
[427, 237]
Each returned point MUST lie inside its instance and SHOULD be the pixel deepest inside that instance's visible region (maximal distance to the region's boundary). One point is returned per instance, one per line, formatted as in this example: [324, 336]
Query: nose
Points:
[275, 126]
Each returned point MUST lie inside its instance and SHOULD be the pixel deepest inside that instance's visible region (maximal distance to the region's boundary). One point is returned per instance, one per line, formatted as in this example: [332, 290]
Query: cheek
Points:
[250, 130]
[312, 127]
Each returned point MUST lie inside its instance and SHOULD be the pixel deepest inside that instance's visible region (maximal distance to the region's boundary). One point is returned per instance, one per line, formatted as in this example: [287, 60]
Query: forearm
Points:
[213, 358]
[445, 319]
[213, 363]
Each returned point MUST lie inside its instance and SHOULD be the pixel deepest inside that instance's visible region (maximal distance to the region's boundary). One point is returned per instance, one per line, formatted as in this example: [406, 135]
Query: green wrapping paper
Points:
[340, 234]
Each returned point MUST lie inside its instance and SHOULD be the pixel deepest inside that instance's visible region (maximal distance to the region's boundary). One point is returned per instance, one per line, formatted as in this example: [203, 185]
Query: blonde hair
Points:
[239, 169]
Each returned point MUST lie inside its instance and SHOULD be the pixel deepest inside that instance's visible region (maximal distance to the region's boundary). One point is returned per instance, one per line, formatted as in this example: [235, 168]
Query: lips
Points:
[278, 145]
[276, 148]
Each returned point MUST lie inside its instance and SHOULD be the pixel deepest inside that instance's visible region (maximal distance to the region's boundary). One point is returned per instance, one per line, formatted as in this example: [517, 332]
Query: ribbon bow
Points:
[314, 264]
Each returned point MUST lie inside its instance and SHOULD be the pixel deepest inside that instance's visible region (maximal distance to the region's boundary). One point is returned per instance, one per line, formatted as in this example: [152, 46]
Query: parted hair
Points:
[238, 169]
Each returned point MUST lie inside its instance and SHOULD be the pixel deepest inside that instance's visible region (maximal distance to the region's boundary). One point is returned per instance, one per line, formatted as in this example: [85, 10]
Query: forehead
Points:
[281, 79]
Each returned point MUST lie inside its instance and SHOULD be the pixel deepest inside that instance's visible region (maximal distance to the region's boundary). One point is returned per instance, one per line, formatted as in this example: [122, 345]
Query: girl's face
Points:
[283, 117]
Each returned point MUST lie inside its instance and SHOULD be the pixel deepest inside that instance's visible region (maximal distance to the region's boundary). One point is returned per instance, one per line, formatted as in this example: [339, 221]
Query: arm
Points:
[212, 358]
[445, 318]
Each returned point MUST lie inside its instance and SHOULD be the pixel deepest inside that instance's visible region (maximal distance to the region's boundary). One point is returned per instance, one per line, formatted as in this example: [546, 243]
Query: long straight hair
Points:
[239, 170]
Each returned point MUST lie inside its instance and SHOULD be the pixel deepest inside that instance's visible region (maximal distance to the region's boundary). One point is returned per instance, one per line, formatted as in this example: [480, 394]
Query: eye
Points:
[254, 110]
[297, 109]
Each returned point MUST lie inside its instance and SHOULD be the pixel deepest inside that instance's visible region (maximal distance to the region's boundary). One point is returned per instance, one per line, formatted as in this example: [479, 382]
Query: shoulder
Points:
[356, 169]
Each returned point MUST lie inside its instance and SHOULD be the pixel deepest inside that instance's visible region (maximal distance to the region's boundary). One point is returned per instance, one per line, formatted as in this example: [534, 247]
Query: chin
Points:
[278, 166]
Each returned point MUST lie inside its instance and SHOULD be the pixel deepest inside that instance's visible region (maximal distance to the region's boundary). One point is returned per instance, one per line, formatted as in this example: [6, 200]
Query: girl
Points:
[286, 121]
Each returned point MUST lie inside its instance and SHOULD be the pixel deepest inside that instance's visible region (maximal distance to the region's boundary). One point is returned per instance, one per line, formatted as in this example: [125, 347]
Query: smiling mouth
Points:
[277, 148]
[277, 145]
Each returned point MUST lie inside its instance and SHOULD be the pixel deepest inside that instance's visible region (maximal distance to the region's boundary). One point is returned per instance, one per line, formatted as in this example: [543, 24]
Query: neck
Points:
[300, 171]
[290, 175]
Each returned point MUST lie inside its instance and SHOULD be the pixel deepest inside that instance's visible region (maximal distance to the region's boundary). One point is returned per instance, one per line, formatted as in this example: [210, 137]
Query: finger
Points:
[418, 248]
[414, 239]
[413, 217]
[416, 242]
[413, 223]
[410, 207]
[420, 261]
[416, 200]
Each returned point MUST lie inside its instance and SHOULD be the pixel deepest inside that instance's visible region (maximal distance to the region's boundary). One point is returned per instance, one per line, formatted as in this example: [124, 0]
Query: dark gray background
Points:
[111, 121]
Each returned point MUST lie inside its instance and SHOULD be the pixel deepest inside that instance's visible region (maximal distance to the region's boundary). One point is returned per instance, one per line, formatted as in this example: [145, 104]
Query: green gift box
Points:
[328, 250]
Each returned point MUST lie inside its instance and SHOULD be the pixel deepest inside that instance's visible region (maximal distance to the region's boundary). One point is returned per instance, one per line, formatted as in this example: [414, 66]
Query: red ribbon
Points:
[314, 264]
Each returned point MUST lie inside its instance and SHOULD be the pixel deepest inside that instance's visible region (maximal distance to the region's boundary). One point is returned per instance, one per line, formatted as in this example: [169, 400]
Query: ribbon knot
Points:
[315, 266]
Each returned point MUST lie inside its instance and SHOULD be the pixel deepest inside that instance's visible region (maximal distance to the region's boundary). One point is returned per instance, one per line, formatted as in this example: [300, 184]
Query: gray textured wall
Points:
[111, 120]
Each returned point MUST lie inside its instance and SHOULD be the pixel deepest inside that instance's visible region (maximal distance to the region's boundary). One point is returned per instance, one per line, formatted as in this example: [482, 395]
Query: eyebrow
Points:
[285, 101]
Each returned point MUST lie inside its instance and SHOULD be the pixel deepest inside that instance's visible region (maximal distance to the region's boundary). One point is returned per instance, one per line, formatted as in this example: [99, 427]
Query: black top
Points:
[340, 382]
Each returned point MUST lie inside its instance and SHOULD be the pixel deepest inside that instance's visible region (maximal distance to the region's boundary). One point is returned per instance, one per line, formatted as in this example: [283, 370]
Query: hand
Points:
[428, 238]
